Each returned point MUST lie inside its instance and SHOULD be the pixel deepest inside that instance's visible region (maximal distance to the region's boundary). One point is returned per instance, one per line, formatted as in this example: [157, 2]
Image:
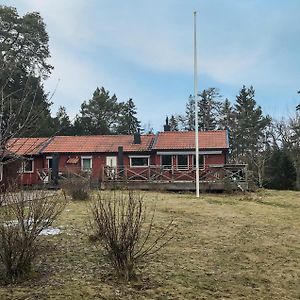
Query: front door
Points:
[111, 161]
[111, 166]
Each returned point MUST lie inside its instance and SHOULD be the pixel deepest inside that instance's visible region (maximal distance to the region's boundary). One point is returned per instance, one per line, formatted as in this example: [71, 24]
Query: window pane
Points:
[28, 165]
[166, 160]
[86, 164]
[182, 161]
[201, 160]
[50, 163]
[139, 161]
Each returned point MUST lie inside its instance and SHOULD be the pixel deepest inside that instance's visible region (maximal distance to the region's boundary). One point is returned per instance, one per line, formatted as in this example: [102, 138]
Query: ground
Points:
[241, 246]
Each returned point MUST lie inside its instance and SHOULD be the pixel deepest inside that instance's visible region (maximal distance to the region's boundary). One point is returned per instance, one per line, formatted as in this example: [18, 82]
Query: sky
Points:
[144, 50]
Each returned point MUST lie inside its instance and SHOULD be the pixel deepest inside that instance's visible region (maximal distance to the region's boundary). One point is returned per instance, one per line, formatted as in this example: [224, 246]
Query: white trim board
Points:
[188, 152]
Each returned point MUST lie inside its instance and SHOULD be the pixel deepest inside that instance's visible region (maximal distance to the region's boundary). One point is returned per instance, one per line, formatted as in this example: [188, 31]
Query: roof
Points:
[98, 143]
[26, 146]
[213, 139]
[171, 140]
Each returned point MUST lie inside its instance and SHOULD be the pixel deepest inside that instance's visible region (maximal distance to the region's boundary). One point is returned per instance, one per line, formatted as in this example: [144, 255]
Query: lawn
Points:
[224, 247]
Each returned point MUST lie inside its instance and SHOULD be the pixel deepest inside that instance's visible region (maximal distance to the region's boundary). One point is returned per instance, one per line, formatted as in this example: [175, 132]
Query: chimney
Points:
[137, 138]
[167, 126]
[120, 157]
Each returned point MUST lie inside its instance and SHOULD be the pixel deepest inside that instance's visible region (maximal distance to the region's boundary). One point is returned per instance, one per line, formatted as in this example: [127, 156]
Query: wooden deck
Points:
[212, 177]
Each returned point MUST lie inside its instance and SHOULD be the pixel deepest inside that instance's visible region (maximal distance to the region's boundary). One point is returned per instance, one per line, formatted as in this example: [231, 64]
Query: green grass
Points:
[224, 247]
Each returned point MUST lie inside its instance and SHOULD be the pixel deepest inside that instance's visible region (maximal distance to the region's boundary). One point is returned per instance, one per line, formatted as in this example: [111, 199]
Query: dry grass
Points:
[225, 247]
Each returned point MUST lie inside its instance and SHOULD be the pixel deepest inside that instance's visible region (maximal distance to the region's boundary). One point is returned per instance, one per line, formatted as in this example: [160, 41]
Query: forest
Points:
[270, 147]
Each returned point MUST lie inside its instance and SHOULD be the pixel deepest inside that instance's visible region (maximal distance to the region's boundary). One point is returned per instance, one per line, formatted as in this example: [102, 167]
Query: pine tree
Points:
[209, 107]
[250, 124]
[227, 116]
[128, 123]
[188, 120]
[63, 123]
[173, 123]
[280, 172]
[99, 115]
[24, 50]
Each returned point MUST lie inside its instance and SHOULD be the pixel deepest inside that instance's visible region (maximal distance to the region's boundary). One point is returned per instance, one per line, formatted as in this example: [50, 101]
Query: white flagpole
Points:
[196, 107]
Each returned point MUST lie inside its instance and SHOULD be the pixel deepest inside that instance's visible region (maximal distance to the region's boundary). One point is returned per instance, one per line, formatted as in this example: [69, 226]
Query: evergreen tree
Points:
[99, 115]
[280, 172]
[173, 123]
[250, 124]
[227, 120]
[227, 116]
[209, 107]
[25, 109]
[294, 124]
[188, 120]
[128, 123]
[62, 122]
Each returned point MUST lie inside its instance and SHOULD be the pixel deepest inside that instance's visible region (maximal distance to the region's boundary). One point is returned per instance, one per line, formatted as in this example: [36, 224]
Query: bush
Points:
[77, 188]
[22, 218]
[119, 222]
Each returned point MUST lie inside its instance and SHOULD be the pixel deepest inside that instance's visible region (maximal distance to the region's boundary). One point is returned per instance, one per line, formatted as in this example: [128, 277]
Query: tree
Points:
[250, 124]
[209, 107]
[295, 146]
[227, 116]
[128, 123]
[188, 120]
[173, 123]
[280, 171]
[62, 122]
[99, 115]
[23, 43]
[24, 107]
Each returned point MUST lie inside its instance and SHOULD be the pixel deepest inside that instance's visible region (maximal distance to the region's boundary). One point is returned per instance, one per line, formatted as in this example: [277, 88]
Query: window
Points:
[49, 161]
[86, 163]
[166, 161]
[27, 165]
[201, 160]
[139, 161]
[182, 161]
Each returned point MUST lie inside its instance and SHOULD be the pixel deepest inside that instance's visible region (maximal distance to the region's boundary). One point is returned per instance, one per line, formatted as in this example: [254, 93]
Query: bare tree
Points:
[119, 220]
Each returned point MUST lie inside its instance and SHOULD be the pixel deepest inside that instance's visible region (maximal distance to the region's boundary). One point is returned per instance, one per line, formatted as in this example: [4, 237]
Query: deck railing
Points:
[209, 173]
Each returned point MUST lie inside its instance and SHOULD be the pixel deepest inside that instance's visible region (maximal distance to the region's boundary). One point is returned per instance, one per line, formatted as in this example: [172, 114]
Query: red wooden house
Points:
[28, 159]
[177, 148]
[90, 154]
[167, 157]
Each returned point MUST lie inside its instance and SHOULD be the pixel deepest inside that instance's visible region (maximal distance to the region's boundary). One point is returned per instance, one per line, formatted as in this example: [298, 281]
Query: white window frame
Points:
[23, 166]
[48, 158]
[91, 163]
[139, 156]
[186, 167]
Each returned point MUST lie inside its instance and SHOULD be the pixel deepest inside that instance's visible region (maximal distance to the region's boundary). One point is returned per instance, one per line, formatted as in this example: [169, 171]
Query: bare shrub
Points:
[119, 222]
[77, 188]
[23, 216]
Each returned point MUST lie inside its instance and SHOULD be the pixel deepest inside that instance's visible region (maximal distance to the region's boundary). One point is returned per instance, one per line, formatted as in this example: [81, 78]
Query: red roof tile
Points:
[216, 139]
[98, 143]
[26, 146]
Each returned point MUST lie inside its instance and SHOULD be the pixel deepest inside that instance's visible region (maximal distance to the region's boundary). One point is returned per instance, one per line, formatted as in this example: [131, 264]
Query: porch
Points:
[212, 177]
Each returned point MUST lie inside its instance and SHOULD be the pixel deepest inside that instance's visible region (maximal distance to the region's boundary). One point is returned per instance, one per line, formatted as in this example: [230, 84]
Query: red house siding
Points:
[215, 159]
[29, 178]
